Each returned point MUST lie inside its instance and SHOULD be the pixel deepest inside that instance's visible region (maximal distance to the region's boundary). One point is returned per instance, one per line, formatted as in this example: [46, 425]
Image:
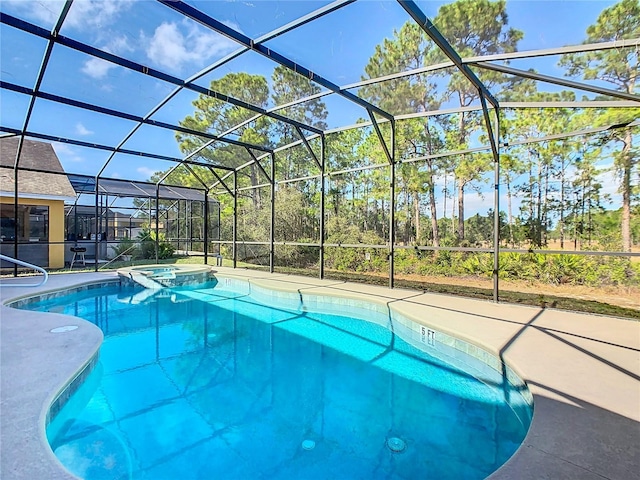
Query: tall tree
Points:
[619, 67]
[215, 116]
[474, 28]
[409, 49]
[288, 86]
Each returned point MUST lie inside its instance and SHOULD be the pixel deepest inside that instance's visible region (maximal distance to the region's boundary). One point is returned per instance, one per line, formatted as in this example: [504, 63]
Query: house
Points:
[42, 190]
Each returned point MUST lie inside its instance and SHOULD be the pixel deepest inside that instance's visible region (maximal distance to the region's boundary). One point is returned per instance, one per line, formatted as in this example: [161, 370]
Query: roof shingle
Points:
[36, 155]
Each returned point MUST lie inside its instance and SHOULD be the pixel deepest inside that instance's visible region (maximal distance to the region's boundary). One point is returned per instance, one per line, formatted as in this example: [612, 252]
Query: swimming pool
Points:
[206, 381]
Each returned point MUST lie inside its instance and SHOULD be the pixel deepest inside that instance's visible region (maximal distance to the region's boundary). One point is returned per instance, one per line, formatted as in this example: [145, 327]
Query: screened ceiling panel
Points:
[406, 94]
[354, 29]
[147, 33]
[219, 154]
[82, 183]
[102, 83]
[340, 42]
[340, 111]
[220, 122]
[255, 19]
[79, 124]
[428, 91]
[13, 109]
[20, 66]
[549, 31]
[155, 140]
[557, 66]
[180, 193]
[247, 80]
[43, 14]
[125, 188]
[176, 108]
[555, 30]
[259, 81]
[77, 159]
[262, 132]
[135, 167]
[537, 91]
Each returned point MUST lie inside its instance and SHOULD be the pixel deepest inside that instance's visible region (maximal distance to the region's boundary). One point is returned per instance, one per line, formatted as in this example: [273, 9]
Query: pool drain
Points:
[308, 444]
[396, 444]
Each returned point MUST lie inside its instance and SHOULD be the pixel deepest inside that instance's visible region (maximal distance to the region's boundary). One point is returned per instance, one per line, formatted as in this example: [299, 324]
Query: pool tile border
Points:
[418, 334]
[70, 388]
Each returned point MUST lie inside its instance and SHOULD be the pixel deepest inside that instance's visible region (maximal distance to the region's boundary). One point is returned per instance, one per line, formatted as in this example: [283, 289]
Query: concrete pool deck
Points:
[583, 371]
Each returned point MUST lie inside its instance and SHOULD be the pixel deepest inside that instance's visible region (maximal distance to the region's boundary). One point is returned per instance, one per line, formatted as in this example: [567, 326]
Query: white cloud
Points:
[146, 171]
[82, 130]
[43, 12]
[98, 68]
[83, 14]
[67, 153]
[172, 47]
[95, 13]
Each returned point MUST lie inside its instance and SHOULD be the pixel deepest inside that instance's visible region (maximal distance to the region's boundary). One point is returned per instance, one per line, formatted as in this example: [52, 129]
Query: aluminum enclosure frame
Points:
[463, 65]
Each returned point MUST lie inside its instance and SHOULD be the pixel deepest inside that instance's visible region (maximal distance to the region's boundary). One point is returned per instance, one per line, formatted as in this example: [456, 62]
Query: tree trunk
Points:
[416, 213]
[460, 232]
[432, 208]
[445, 193]
[626, 167]
[453, 210]
[407, 223]
[545, 204]
[539, 205]
[509, 213]
[562, 211]
[257, 200]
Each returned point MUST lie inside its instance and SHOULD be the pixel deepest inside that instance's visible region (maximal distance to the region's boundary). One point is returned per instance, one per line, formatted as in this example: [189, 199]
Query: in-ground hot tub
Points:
[158, 276]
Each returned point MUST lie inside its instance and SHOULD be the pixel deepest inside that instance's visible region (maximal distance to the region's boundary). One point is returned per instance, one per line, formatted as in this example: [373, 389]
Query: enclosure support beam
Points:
[32, 99]
[430, 29]
[309, 149]
[40, 77]
[558, 81]
[235, 219]
[257, 162]
[157, 242]
[206, 227]
[494, 140]
[196, 176]
[16, 230]
[323, 179]
[376, 127]
[392, 205]
[496, 213]
[213, 172]
[272, 228]
[97, 215]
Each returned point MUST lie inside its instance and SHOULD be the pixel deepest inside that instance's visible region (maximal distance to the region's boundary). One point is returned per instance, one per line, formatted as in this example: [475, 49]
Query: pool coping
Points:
[583, 371]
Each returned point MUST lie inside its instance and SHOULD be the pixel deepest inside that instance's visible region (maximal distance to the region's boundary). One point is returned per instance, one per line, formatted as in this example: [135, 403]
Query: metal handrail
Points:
[29, 265]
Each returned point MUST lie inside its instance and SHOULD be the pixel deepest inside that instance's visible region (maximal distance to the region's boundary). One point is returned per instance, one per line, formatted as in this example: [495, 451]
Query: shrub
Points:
[147, 249]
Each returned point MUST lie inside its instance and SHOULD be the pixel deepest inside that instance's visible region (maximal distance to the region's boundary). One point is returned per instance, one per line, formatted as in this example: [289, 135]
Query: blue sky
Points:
[337, 47]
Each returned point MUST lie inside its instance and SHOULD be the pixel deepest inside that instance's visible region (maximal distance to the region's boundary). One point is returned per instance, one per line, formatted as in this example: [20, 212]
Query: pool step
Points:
[146, 281]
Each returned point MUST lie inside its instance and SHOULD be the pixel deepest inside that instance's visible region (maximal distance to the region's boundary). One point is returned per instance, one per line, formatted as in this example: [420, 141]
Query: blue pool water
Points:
[207, 382]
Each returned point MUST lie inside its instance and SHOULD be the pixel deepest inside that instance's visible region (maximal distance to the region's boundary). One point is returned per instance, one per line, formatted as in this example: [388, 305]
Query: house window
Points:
[33, 223]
